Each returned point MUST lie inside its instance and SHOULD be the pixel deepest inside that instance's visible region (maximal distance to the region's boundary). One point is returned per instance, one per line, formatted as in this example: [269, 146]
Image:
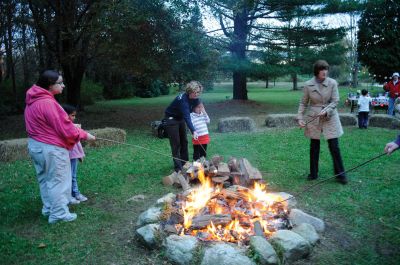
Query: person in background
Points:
[75, 155]
[393, 87]
[200, 119]
[392, 146]
[51, 134]
[320, 99]
[363, 109]
[177, 116]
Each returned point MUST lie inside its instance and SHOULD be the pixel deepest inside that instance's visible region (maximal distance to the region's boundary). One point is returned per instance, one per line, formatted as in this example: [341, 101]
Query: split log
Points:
[219, 180]
[202, 221]
[223, 169]
[233, 164]
[216, 159]
[249, 173]
[183, 182]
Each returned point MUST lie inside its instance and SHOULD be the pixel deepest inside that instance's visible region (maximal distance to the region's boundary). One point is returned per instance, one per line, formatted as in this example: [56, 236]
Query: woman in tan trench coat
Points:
[319, 101]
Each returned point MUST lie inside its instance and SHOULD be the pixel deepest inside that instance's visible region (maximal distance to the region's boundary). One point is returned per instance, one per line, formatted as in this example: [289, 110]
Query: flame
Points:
[258, 209]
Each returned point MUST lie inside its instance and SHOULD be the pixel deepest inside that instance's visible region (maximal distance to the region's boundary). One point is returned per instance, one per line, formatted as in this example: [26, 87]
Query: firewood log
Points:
[202, 221]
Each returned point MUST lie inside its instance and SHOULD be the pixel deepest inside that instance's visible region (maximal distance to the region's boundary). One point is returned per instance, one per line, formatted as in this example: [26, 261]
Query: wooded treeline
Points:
[124, 48]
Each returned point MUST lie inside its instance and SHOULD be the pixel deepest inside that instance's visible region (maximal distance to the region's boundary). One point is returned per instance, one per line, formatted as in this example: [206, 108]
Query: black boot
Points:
[314, 159]
[337, 161]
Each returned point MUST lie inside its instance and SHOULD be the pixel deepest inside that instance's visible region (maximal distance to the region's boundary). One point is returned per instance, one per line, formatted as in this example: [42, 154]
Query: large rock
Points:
[298, 217]
[384, 121]
[224, 254]
[264, 250]
[152, 215]
[148, 235]
[236, 124]
[169, 198]
[281, 120]
[286, 197]
[180, 249]
[293, 246]
[308, 232]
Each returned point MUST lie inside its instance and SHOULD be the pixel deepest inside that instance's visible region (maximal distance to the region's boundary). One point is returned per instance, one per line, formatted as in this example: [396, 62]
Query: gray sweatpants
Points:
[53, 170]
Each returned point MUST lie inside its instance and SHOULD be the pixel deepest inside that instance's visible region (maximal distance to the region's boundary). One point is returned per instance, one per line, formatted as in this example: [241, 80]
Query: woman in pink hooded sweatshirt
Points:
[51, 135]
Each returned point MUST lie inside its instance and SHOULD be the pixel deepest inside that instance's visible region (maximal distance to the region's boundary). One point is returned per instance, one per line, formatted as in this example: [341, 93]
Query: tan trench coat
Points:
[316, 97]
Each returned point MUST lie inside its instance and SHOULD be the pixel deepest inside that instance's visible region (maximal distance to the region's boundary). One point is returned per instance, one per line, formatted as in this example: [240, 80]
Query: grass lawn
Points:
[362, 218]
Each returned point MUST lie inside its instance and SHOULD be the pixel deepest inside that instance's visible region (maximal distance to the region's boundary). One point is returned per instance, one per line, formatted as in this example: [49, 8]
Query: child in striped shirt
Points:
[200, 119]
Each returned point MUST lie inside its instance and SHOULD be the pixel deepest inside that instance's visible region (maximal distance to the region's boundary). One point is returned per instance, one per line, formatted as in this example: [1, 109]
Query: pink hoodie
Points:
[47, 122]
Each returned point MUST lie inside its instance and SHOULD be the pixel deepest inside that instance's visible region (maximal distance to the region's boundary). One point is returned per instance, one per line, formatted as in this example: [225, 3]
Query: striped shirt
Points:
[200, 123]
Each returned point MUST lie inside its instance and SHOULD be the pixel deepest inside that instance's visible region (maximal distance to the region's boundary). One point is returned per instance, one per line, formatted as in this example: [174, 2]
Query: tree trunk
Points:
[294, 80]
[266, 82]
[9, 52]
[238, 49]
[354, 76]
[24, 48]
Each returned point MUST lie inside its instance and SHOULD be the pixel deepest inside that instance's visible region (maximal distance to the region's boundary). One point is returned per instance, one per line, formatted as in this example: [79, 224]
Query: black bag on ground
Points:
[158, 129]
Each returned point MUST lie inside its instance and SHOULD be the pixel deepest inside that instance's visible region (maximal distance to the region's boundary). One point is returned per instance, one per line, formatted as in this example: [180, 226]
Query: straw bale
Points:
[288, 120]
[348, 119]
[15, 149]
[281, 120]
[236, 124]
[114, 134]
[384, 121]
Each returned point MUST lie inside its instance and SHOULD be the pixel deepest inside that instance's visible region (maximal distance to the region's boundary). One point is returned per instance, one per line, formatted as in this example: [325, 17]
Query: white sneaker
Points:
[73, 200]
[71, 217]
[81, 197]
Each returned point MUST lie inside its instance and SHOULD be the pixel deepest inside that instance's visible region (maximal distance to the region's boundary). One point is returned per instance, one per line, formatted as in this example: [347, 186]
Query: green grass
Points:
[362, 218]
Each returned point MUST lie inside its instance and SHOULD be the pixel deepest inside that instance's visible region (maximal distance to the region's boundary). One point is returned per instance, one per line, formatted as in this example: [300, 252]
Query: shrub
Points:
[90, 92]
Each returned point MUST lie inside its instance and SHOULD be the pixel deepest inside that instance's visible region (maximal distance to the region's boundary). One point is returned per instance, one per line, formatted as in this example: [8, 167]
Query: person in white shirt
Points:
[363, 109]
[200, 119]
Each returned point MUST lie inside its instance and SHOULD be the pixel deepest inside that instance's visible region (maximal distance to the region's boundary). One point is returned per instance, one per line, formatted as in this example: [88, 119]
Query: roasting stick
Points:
[138, 146]
[316, 116]
[324, 180]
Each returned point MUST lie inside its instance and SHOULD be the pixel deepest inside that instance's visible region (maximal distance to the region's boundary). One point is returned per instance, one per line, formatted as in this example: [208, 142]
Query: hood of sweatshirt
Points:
[36, 93]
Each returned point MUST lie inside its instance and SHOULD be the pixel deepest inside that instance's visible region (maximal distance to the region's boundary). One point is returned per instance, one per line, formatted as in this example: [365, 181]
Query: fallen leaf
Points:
[42, 245]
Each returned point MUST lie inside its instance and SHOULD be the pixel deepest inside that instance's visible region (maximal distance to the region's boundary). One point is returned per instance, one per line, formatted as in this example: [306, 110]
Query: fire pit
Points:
[228, 215]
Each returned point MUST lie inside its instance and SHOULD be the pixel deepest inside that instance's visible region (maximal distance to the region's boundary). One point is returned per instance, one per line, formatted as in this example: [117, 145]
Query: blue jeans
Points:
[391, 106]
[74, 171]
[53, 171]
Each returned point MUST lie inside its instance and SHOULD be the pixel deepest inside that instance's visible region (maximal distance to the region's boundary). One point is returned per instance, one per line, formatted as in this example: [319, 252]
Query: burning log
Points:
[219, 180]
[231, 195]
[202, 221]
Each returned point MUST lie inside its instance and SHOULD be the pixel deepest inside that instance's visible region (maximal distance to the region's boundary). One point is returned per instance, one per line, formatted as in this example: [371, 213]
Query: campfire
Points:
[219, 209]
[224, 205]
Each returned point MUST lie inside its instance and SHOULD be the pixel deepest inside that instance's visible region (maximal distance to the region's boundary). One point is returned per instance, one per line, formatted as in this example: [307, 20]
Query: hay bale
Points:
[15, 149]
[114, 134]
[236, 124]
[348, 119]
[281, 120]
[384, 121]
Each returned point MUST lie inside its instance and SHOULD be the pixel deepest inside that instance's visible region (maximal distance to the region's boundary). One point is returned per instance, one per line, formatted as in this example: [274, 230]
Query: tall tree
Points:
[69, 29]
[379, 37]
[246, 23]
